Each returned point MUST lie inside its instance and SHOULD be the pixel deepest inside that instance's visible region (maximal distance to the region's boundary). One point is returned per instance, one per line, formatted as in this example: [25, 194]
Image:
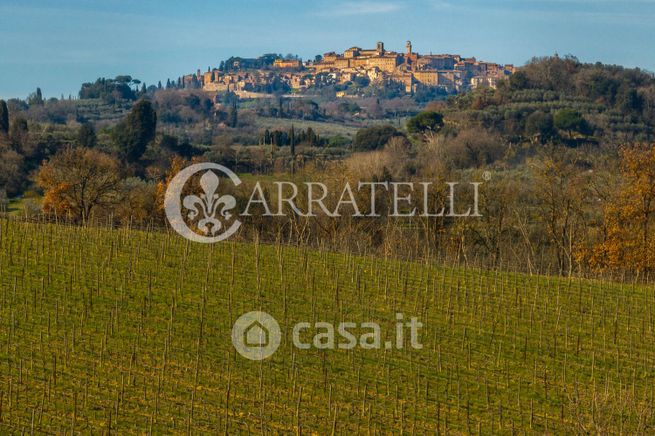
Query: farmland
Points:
[128, 331]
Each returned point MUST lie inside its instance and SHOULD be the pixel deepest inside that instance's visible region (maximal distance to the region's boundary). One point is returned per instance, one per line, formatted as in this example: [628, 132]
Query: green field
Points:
[320, 127]
[20, 207]
[128, 331]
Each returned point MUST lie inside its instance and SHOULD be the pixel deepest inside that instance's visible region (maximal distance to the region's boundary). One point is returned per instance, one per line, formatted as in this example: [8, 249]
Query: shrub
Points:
[428, 121]
[373, 138]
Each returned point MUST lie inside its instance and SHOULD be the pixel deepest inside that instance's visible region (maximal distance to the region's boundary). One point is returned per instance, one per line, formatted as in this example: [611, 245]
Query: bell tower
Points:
[408, 45]
[380, 48]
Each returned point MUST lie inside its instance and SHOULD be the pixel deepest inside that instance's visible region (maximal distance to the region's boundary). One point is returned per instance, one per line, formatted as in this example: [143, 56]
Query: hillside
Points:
[617, 104]
[122, 330]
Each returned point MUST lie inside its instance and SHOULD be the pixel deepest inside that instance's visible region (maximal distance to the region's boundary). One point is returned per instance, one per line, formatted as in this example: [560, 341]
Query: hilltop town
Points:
[377, 66]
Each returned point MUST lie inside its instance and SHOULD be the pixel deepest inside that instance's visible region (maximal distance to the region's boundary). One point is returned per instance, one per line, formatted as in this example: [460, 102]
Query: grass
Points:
[19, 207]
[321, 127]
[129, 331]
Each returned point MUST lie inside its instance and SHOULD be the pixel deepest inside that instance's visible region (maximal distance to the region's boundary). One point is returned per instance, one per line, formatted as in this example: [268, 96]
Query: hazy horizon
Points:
[58, 48]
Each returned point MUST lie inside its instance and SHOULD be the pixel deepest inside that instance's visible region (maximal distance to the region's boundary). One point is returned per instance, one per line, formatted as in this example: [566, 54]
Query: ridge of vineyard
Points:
[118, 330]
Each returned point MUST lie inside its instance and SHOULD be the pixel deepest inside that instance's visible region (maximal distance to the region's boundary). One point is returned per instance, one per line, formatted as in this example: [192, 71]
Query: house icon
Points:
[256, 335]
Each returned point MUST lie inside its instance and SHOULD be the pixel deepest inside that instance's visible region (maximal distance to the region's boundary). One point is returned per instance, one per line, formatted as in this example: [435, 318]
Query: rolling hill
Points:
[128, 331]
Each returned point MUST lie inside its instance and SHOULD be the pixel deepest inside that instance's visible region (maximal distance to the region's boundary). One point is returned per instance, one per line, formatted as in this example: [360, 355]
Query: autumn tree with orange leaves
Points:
[78, 181]
[629, 216]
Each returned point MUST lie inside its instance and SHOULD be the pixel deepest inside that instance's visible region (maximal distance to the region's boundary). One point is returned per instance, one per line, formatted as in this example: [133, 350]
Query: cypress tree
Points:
[292, 141]
[4, 117]
[234, 117]
[133, 133]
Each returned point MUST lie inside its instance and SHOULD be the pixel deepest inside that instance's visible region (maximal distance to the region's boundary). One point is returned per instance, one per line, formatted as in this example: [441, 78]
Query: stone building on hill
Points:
[451, 73]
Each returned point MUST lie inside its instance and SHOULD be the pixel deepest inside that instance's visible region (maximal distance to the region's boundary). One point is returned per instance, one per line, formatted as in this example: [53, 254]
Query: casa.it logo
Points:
[257, 335]
[202, 216]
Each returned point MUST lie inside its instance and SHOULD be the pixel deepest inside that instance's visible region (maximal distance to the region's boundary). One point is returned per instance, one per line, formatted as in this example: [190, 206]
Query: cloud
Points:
[354, 8]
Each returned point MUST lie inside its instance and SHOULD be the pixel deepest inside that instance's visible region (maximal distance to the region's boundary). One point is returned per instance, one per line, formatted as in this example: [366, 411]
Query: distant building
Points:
[449, 72]
[287, 63]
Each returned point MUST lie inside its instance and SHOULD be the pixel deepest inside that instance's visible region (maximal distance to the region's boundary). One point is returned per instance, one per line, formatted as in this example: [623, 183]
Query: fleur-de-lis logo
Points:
[209, 203]
[209, 210]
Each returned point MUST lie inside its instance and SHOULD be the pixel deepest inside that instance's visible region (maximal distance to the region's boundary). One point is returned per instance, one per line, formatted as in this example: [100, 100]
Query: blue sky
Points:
[58, 44]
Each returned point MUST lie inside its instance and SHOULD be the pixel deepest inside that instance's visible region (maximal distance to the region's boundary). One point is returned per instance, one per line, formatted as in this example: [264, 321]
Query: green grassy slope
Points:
[129, 331]
[320, 127]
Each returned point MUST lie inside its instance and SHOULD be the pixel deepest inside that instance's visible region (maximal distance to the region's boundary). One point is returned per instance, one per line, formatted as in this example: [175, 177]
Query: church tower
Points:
[408, 45]
[380, 48]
